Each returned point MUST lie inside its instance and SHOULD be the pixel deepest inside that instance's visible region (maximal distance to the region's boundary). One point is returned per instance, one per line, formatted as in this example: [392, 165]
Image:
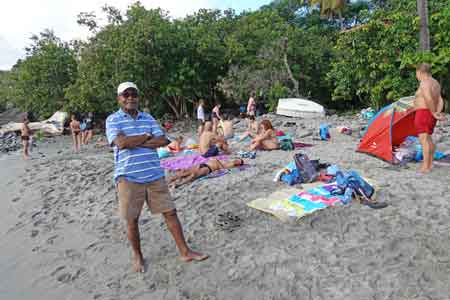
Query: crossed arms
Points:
[145, 141]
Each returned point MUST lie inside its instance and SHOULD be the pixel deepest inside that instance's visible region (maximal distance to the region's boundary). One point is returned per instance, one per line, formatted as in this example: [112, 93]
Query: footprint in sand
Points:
[15, 199]
[34, 233]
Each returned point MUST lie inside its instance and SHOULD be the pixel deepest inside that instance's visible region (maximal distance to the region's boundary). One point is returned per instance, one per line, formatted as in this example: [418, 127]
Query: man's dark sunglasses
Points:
[128, 93]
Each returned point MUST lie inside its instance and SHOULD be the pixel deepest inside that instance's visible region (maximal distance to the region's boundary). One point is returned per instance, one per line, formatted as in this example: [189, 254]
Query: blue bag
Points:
[354, 181]
[291, 178]
[324, 132]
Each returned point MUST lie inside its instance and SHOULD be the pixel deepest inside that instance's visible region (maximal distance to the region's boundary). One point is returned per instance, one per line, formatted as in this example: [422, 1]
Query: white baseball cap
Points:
[125, 85]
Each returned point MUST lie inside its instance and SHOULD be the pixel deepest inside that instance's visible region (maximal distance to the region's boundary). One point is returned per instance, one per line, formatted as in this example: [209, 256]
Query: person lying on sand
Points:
[266, 139]
[175, 145]
[252, 126]
[210, 144]
[189, 175]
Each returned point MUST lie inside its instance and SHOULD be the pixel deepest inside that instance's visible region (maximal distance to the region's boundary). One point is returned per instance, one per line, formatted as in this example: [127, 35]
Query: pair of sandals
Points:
[248, 154]
[228, 222]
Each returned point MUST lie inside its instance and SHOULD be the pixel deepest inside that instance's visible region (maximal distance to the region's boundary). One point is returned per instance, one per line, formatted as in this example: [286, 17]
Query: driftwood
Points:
[52, 126]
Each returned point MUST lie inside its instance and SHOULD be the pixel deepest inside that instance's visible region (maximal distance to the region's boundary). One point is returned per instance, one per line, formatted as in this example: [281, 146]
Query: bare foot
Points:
[193, 256]
[424, 171]
[138, 265]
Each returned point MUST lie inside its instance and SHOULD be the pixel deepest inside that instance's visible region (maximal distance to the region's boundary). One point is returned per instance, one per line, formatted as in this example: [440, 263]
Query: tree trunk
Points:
[341, 20]
[422, 11]
[174, 106]
[288, 69]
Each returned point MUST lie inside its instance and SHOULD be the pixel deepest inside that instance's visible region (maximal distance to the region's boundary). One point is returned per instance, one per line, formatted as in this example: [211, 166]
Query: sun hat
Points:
[125, 85]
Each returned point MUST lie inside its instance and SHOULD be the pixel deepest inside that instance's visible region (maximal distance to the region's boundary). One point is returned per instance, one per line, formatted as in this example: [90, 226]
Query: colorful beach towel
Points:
[186, 162]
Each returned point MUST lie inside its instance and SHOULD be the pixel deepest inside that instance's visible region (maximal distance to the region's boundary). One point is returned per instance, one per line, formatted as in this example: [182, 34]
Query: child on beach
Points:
[266, 139]
[189, 175]
[76, 133]
[175, 145]
[25, 133]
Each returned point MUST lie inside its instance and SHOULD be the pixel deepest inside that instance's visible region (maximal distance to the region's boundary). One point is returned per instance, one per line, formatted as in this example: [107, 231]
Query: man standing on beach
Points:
[135, 136]
[428, 106]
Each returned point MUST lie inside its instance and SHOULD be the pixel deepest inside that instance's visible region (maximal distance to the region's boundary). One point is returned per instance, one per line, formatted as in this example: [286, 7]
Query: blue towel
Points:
[308, 206]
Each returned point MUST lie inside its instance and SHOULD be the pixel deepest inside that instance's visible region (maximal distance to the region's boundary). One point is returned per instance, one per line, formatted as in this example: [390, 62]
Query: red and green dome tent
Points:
[389, 128]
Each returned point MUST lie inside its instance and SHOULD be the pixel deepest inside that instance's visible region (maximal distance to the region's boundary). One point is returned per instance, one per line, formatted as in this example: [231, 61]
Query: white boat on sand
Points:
[299, 108]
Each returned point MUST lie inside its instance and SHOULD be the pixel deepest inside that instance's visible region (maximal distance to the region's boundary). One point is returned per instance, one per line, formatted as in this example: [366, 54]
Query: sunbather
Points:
[210, 144]
[189, 175]
[266, 139]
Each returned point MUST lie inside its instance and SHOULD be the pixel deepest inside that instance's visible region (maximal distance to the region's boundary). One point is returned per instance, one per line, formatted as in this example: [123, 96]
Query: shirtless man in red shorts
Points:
[429, 105]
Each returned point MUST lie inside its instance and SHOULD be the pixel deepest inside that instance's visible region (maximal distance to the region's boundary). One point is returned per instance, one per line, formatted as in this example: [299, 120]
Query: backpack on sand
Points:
[306, 168]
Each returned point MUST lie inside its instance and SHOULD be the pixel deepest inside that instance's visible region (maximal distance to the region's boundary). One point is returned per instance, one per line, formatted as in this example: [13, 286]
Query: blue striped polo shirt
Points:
[139, 165]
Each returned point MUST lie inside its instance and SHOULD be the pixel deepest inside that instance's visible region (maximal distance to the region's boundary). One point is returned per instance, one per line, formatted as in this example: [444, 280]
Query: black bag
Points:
[305, 167]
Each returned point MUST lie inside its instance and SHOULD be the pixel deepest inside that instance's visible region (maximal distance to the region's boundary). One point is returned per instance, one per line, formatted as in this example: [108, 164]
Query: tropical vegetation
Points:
[343, 54]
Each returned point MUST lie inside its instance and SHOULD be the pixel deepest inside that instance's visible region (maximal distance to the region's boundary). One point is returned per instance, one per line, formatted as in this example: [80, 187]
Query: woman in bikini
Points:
[266, 139]
[189, 175]
[25, 133]
[76, 133]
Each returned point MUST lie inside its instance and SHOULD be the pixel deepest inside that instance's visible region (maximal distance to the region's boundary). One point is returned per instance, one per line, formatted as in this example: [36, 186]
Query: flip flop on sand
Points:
[229, 216]
[374, 205]
[228, 222]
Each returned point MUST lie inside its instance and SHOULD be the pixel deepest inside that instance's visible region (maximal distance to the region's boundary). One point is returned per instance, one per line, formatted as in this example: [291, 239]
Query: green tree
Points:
[40, 79]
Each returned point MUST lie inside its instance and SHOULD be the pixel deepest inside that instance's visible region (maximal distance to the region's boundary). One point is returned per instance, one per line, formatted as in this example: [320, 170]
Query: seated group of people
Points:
[213, 143]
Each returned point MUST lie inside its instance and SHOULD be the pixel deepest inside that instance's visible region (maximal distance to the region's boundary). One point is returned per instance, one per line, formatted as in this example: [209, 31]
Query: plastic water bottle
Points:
[347, 196]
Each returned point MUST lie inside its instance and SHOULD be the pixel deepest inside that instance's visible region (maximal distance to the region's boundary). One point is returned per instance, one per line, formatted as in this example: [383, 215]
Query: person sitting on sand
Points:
[208, 127]
[211, 144]
[25, 133]
[76, 133]
[266, 139]
[175, 145]
[252, 126]
[226, 126]
[189, 175]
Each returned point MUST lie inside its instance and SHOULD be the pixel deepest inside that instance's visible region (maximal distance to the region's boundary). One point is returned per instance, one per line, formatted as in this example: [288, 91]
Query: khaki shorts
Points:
[133, 195]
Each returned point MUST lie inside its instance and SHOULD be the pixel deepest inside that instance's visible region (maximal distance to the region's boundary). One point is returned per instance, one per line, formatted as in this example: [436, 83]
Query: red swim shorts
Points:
[424, 121]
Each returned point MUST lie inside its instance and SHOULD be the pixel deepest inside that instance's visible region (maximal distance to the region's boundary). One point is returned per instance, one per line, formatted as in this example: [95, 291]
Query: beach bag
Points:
[324, 132]
[286, 145]
[292, 177]
[354, 181]
[305, 167]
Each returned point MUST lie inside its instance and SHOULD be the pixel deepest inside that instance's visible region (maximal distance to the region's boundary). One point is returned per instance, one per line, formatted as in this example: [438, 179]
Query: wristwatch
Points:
[149, 136]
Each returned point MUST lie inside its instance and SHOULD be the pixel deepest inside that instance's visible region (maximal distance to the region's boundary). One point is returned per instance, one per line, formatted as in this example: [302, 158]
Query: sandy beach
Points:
[61, 237]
